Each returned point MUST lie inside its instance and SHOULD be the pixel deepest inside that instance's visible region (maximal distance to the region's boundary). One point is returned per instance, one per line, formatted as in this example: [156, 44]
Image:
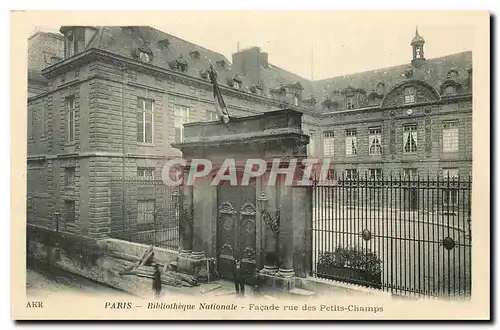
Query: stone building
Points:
[108, 102]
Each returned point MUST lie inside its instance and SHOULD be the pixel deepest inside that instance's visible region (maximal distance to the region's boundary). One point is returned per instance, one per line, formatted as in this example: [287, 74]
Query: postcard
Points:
[271, 165]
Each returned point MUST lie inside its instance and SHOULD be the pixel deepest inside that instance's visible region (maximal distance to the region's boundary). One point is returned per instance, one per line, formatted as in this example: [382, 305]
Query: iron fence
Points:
[145, 211]
[408, 236]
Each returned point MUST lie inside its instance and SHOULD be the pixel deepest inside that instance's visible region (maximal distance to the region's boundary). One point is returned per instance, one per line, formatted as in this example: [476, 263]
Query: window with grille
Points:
[212, 115]
[69, 176]
[375, 173]
[410, 173]
[375, 138]
[145, 211]
[450, 136]
[144, 120]
[331, 174]
[146, 171]
[69, 211]
[181, 118]
[70, 107]
[351, 142]
[450, 196]
[410, 94]
[350, 102]
[351, 174]
[329, 144]
[410, 138]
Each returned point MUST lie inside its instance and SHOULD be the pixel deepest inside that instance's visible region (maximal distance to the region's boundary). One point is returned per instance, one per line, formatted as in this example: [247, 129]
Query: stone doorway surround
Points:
[283, 214]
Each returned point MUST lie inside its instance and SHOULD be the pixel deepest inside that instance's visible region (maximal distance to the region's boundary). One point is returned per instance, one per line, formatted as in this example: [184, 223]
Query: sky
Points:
[313, 45]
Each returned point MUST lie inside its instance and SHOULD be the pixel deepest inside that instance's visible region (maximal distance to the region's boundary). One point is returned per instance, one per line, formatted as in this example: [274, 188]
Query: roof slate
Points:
[166, 48]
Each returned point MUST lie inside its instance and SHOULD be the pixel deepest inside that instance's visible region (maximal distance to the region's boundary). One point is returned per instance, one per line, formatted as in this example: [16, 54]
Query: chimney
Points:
[55, 59]
[249, 62]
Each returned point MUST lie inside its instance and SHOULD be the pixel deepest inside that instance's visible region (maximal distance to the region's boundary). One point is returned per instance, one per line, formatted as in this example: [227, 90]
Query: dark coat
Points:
[238, 273]
[157, 280]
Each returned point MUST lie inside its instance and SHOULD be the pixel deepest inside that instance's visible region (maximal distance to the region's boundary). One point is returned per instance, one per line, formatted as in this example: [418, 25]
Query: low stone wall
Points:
[98, 260]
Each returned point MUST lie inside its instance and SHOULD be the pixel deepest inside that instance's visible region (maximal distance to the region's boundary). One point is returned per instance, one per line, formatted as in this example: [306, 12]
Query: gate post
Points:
[186, 217]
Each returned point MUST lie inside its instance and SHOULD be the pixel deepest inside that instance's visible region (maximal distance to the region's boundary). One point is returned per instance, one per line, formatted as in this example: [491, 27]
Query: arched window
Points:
[449, 90]
[410, 94]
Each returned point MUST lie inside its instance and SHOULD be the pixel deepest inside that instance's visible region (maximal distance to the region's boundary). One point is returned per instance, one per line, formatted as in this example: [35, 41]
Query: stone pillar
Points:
[205, 213]
[302, 230]
[186, 220]
[286, 268]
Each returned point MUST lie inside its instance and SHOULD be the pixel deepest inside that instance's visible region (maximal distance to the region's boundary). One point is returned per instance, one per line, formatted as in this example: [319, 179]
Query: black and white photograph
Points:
[269, 162]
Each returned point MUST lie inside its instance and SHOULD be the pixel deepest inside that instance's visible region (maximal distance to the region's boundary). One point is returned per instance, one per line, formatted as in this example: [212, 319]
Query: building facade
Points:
[112, 100]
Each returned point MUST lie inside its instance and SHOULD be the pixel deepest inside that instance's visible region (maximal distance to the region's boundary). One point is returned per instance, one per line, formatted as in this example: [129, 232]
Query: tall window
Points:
[33, 123]
[351, 174]
[295, 100]
[410, 94]
[212, 115]
[146, 171]
[329, 144]
[375, 173]
[450, 173]
[69, 176]
[310, 146]
[410, 173]
[450, 136]
[70, 107]
[145, 211]
[351, 142]
[450, 196]
[144, 120]
[181, 118]
[350, 102]
[375, 138]
[69, 210]
[409, 138]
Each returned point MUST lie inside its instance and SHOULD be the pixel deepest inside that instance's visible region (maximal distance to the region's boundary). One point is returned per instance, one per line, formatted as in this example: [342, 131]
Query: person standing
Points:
[239, 278]
[157, 281]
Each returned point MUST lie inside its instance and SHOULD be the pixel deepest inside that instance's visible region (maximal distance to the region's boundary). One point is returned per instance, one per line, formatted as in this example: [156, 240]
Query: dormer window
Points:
[380, 88]
[144, 53]
[145, 57]
[181, 64]
[236, 85]
[452, 74]
[74, 40]
[410, 95]
[295, 100]
[449, 90]
[351, 102]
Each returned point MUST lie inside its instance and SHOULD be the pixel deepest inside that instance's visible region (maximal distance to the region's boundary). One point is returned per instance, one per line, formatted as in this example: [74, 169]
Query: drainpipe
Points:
[123, 145]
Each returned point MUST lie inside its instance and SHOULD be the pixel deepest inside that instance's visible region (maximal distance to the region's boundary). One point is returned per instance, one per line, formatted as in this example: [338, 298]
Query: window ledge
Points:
[70, 144]
[144, 144]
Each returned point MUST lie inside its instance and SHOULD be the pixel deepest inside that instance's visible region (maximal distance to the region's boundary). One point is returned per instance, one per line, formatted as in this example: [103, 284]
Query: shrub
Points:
[350, 258]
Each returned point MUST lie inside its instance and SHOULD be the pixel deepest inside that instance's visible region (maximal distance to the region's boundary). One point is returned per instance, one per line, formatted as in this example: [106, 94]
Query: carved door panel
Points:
[235, 228]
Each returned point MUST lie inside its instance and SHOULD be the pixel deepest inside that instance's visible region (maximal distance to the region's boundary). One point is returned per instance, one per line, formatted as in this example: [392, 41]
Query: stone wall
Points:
[98, 260]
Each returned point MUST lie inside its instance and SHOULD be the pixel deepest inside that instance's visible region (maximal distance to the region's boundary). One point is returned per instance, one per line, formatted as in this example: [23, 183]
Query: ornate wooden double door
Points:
[236, 228]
